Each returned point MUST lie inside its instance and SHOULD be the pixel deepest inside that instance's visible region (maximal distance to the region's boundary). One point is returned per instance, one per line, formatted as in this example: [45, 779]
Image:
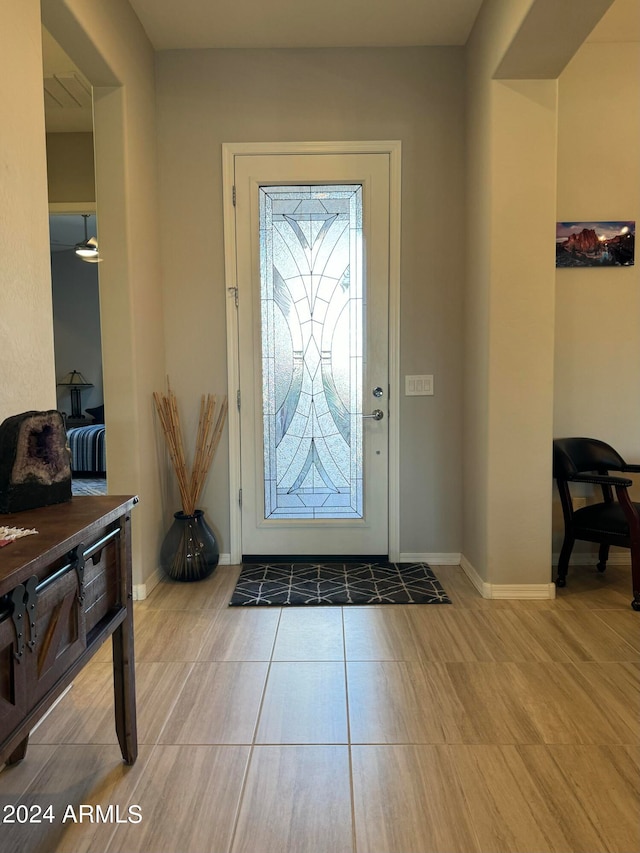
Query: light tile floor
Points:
[502, 726]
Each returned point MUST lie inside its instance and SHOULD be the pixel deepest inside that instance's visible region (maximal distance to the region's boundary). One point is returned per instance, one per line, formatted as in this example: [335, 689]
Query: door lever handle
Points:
[376, 414]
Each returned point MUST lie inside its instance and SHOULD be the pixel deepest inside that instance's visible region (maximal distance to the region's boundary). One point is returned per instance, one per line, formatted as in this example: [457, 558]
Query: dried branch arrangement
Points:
[210, 425]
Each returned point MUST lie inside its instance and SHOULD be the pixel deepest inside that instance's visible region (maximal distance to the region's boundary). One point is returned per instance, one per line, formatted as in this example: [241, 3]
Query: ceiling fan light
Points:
[88, 248]
[84, 250]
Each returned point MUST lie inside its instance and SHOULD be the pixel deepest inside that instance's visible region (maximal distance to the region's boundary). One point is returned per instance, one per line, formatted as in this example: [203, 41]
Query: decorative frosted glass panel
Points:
[311, 284]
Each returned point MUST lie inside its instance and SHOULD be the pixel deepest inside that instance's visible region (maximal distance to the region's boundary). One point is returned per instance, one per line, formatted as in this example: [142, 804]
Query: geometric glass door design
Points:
[312, 305]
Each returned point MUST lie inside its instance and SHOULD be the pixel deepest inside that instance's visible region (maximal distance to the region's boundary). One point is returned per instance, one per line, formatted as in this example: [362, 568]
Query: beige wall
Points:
[27, 379]
[107, 43]
[415, 95]
[508, 310]
[597, 364]
[597, 348]
[70, 171]
[521, 308]
[510, 281]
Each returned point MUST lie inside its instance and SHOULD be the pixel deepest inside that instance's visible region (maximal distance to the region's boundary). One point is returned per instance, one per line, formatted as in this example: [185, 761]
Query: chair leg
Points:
[563, 560]
[603, 556]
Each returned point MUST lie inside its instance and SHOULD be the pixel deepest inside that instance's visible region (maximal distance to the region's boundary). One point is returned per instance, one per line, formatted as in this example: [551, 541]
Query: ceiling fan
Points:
[87, 250]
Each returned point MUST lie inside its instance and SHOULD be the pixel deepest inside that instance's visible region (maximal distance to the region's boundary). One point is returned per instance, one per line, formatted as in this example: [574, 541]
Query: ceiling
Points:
[621, 23]
[193, 24]
[305, 23]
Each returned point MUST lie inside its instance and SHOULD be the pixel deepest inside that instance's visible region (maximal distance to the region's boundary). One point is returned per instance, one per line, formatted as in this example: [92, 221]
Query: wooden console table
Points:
[63, 591]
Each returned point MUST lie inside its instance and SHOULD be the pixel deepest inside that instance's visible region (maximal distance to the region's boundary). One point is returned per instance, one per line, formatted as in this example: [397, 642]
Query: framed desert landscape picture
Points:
[595, 244]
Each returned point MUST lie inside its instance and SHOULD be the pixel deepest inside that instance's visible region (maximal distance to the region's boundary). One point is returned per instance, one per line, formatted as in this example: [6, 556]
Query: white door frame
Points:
[229, 151]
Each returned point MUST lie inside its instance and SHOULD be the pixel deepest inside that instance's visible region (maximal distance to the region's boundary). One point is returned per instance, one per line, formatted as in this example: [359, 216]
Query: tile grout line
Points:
[155, 745]
[597, 612]
[252, 745]
[449, 749]
[354, 838]
[145, 770]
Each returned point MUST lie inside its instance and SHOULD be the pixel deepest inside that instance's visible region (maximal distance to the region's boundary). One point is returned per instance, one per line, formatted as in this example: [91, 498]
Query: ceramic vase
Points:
[189, 551]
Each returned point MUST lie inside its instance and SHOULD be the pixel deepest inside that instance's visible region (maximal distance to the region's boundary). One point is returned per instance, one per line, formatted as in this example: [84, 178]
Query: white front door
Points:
[312, 256]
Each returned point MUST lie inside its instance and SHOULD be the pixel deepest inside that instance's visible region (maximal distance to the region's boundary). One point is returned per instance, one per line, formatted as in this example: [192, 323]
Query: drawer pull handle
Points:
[99, 545]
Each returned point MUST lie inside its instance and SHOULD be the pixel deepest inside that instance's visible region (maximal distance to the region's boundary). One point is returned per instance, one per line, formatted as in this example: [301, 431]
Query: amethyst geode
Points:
[35, 462]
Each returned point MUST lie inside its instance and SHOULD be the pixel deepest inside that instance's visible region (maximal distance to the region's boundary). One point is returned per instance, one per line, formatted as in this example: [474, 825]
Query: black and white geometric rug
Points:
[338, 583]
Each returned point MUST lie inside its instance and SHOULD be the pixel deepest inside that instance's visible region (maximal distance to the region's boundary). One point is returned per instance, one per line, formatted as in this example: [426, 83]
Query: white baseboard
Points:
[437, 559]
[507, 591]
[144, 590]
[523, 590]
[482, 586]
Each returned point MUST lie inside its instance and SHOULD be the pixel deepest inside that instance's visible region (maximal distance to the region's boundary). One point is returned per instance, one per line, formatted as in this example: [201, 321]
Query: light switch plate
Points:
[418, 386]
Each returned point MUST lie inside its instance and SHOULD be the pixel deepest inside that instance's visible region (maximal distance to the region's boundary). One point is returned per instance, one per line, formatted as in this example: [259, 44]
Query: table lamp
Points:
[75, 382]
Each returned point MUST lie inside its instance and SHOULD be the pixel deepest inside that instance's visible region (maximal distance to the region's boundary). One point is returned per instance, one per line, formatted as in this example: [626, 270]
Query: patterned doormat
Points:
[293, 584]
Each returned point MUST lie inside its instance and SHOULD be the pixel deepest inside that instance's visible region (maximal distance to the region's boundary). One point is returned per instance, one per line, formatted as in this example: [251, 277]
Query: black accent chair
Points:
[614, 521]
